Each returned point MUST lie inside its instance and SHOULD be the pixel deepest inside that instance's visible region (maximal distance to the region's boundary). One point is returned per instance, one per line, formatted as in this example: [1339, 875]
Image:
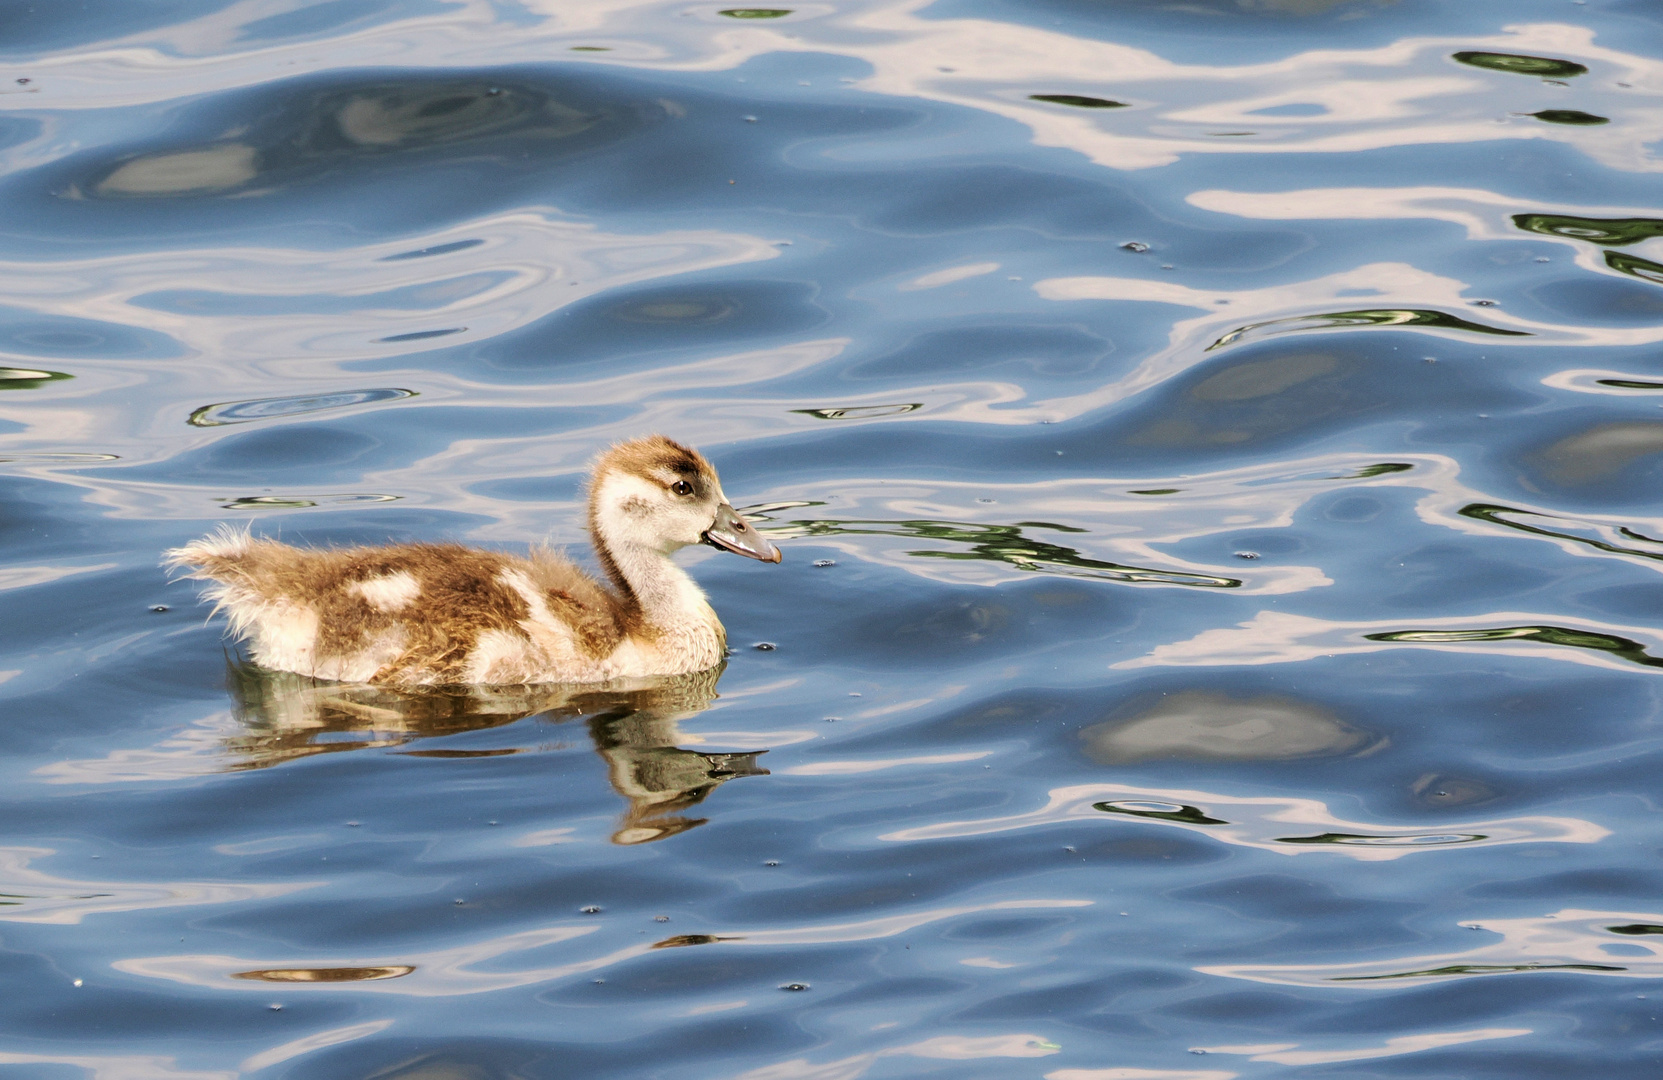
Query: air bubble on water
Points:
[590, 909]
[823, 563]
[77, 982]
[772, 862]
[660, 918]
[1248, 555]
[276, 1006]
[1135, 246]
[765, 646]
[795, 986]
[158, 608]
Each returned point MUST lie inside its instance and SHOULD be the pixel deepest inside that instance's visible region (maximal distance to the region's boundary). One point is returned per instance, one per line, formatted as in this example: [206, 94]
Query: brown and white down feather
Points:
[445, 614]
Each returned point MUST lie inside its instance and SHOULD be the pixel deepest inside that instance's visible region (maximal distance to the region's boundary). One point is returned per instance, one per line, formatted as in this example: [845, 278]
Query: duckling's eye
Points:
[682, 487]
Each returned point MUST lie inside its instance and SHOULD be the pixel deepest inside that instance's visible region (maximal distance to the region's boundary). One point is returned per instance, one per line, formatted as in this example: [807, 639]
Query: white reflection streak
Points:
[297, 1047]
[22, 577]
[948, 276]
[942, 1048]
[450, 972]
[1266, 822]
[538, 263]
[33, 896]
[1280, 637]
[1571, 940]
[1405, 92]
[133, 1067]
[1285, 1054]
[198, 750]
[1140, 1074]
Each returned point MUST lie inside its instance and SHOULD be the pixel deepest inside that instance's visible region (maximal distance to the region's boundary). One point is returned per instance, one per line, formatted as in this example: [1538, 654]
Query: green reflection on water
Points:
[1570, 116]
[1478, 969]
[12, 378]
[1188, 815]
[1636, 929]
[1627, 649]
[1630, 384]
[1493, 514]
[1546, 67]
[1079, 101]
[993, 543]
[1635, 266]
[1441, 320]
[1390, 840]
[1612, 232]
[755, 13]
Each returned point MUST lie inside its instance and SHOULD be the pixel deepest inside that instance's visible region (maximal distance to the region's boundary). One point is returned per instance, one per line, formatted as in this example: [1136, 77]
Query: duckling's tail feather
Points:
[229, 557]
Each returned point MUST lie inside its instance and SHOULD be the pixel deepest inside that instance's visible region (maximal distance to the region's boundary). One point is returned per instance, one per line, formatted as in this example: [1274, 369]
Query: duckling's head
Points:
[657, 494]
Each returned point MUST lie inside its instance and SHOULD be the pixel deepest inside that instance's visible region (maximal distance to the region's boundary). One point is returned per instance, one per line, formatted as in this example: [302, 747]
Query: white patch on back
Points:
[393, 592]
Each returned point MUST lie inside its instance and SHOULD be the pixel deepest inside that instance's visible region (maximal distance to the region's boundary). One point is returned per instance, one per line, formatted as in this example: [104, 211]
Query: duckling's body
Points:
[444, 614]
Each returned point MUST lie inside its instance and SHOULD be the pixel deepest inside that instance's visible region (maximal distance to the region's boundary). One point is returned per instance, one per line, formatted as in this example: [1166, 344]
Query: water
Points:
[1215, 447]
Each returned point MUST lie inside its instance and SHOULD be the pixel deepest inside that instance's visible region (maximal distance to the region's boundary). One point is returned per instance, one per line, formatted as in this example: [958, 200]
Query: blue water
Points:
[1215, 445]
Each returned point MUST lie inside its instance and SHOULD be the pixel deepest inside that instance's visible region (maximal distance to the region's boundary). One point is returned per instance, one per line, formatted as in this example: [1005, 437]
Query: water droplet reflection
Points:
[243, 412]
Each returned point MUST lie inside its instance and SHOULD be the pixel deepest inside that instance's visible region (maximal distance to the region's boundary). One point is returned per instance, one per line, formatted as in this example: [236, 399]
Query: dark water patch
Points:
[28, 333]
[1600, 454]
[1543, 66]
[1046, 350]
[1636, 929]
[1612, 232]
[632, 322]
[1196, 725]
[1572, 117]
[28, 378]
[755, 13]
[428, 252]
[423, 335]
[1621, 647]
[378, 151]
[1440, 320]
[1008, 544]
[1601, 300]
[861, 412]
[1078, 101]
[243, 412]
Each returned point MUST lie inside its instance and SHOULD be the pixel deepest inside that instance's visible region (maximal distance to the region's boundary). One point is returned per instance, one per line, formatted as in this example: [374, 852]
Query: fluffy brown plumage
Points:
[444, 614]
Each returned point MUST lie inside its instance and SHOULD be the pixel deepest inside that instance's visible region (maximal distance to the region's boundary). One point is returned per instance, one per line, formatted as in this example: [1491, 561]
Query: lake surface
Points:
[1216, 447]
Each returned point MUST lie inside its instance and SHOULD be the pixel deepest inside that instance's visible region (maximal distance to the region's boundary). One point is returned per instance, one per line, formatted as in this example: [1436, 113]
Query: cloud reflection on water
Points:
[1280, 824]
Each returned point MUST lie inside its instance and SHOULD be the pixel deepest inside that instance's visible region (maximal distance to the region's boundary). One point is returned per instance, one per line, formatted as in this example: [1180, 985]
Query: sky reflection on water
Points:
[1214, 443]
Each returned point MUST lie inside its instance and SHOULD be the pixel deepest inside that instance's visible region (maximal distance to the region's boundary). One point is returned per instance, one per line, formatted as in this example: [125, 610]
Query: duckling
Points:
[408, 615]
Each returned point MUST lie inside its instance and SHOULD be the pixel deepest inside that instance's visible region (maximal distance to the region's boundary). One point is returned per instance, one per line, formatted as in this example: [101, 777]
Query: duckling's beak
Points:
[730, 532]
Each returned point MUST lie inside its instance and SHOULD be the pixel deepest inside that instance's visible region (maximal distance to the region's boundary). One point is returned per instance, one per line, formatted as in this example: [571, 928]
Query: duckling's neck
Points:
[655, 586]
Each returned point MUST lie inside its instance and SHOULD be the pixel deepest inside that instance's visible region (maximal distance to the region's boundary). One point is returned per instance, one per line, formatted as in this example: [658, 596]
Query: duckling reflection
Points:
[634, 725]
